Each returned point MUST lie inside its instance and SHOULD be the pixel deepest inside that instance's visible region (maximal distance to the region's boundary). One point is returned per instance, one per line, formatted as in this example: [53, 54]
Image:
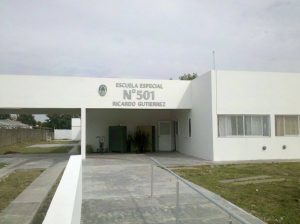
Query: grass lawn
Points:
[276, 202]
[22, 148]
[2, 165]
[12, 185]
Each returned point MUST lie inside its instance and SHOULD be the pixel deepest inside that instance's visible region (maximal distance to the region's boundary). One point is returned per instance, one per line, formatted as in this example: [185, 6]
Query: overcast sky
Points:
[147, 39]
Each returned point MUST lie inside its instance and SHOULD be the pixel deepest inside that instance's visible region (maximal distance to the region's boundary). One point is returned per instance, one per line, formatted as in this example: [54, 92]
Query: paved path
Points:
[52, 145]
[25, 206]
[116, 189]
[23, 209]
[29, 161]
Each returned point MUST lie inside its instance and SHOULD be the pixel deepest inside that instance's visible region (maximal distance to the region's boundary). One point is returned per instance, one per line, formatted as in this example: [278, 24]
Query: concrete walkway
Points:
[116, 189]
[52, 145]
[29, 161]
[24, 207]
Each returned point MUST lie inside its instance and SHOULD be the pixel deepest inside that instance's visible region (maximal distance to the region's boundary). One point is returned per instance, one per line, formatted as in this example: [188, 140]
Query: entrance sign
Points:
[139, 95]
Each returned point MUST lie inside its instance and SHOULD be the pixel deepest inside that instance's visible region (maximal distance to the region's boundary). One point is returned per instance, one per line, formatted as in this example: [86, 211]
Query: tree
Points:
[58, 121]
[26, 119]
[188, 76]
[4, 116]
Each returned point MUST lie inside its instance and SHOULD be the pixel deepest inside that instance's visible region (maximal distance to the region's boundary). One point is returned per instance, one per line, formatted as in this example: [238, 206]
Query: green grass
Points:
[22, 148]
[277, 202]
[40, 215]
[12, 185]
[2, 165]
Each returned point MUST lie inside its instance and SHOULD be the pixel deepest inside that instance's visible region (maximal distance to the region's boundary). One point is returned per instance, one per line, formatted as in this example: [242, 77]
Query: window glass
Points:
[190, 128]
[256, 125]
[176, 127]
[291, 125]
[230, 125]
[233, 125]
[224, 123]
[279, 125]
[266, 126]
[164, 128]
[247, 125]
[241, 125]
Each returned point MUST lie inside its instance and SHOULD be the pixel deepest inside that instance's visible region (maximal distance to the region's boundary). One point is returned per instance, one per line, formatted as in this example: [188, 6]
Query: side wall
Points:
[14, 136]
[60, 134]
[76, 129]
[99, 120]
[256, 93]
[200, 144]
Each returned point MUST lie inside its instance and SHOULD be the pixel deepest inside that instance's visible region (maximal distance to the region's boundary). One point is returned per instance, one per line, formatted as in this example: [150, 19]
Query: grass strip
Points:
[13, 184]
[2, 165]
[22, 148]
[273, 202]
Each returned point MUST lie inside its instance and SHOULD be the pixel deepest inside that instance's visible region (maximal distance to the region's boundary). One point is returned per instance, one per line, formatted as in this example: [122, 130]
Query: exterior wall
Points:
[99, 120]
[14, 136]
[256, 93]
[76, 129]
[60, 134]
[82, 92]
[200, 144]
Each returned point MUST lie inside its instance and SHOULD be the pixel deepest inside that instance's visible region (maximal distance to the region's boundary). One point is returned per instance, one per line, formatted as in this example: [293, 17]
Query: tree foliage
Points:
[4, 116]
[26, 119]
[58, 121]
[188, 76]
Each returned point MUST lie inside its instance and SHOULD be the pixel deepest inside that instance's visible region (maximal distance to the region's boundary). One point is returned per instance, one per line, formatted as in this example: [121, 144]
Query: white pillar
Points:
[83, 132]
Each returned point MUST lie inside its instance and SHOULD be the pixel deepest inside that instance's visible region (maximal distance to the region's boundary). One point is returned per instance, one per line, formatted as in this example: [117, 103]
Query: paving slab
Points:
[24, 207]
[11, 167]
[116, 189]
[50, 145]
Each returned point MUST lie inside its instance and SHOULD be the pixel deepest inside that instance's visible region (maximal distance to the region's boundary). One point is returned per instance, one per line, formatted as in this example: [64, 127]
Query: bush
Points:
[140, 140]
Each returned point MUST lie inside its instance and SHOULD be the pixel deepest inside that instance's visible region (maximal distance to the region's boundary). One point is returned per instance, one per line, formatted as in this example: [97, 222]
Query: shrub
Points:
[140, 140]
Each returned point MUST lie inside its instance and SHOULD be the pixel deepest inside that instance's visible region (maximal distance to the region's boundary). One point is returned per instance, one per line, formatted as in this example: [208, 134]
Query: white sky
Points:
[147, 39]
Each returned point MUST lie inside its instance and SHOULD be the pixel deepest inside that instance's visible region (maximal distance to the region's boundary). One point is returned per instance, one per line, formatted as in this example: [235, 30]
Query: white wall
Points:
[24, 91]
[76, 129]
[200, 144]
[60, 134]
[65, 206]
[99, 120]
[256, 93]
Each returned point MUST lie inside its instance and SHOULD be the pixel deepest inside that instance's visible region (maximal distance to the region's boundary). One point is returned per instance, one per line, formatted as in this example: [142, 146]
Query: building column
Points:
[83, 132]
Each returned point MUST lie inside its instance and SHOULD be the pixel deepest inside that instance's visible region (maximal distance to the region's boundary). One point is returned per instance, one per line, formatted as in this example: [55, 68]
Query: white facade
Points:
[69, 134]
[256, 93]
[62, 134]
[75, 132]
[189, 111]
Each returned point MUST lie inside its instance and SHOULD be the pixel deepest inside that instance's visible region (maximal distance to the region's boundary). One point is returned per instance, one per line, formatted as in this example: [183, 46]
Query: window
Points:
[176, 128]
[164, 128]
[190, 128]
[287, 125]
[244, 125]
